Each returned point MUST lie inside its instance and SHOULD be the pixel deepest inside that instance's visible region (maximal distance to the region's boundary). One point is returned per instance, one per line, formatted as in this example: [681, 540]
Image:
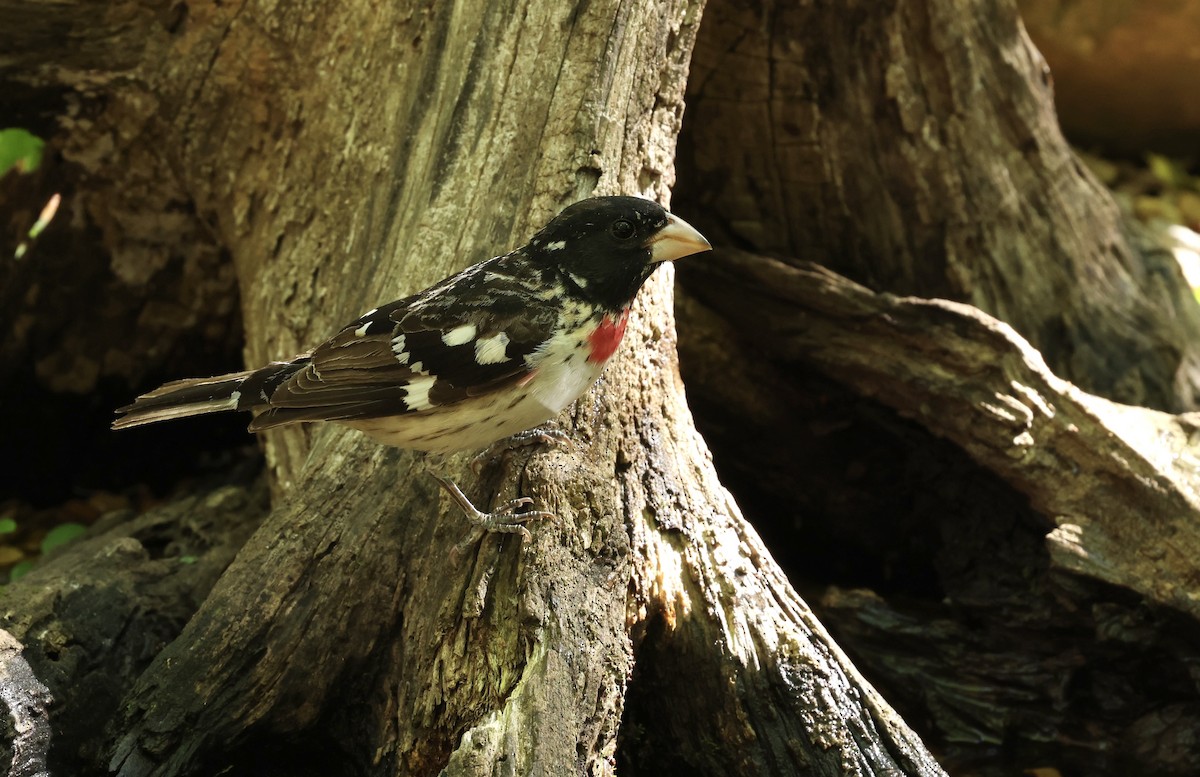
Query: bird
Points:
[484, 355]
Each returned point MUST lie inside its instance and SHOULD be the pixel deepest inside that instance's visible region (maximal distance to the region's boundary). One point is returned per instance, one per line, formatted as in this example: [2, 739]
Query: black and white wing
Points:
[464, 337]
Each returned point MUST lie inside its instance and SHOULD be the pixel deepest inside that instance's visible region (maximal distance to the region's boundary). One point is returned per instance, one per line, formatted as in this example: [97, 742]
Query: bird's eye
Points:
[622, 229]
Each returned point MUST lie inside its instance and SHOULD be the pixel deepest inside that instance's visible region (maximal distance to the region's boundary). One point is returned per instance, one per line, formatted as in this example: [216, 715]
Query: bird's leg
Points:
[504, 520]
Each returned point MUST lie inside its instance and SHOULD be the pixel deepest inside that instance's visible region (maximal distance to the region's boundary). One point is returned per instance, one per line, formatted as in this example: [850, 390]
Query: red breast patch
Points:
[607, 337]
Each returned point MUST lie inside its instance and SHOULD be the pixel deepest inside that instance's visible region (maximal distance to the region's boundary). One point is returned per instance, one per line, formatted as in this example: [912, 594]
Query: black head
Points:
[604, 248]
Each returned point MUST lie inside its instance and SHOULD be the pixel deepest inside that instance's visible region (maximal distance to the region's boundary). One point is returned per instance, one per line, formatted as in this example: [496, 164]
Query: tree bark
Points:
[345, 155]
[26, 700]
[94, 616]
[1028, 641]
[1131, 516]
[913, 147]
[1033, 604]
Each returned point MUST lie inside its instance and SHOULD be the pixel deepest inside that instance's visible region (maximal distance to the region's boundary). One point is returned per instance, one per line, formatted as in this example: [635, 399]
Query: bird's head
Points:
[604, 248]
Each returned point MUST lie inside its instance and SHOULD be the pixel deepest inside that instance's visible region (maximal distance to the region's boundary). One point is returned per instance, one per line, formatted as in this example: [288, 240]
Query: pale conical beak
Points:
[676, 240]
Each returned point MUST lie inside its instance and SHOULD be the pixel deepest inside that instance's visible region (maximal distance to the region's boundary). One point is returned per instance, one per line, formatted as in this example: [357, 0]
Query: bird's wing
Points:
[466, 336]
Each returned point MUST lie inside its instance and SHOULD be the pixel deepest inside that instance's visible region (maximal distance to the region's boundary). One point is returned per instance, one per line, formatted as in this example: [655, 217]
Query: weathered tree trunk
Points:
[1040, 596]
[1032, 603]
[913, 148]
[1062, 617]
[346, 154]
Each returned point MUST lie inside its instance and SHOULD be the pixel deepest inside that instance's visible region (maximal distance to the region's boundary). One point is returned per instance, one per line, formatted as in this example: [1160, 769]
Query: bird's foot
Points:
[505, 520]
[538, 435]
[547, 434]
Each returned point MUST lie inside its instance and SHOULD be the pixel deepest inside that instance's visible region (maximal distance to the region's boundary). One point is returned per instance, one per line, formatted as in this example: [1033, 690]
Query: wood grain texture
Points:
[913, 147]
[1055, 531]
[94, 614]
[1130, 512]
[307, 618]
[345, 154]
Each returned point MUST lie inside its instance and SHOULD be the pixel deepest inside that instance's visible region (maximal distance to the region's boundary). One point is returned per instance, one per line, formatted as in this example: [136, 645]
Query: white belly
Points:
[561, 374]
[480, 421]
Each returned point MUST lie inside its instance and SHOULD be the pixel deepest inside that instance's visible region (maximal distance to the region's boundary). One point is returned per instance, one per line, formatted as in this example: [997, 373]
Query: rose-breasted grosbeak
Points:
[495, 350]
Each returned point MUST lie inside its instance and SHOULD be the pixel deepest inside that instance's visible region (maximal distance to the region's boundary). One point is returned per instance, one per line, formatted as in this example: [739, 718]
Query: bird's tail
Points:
[196, 396]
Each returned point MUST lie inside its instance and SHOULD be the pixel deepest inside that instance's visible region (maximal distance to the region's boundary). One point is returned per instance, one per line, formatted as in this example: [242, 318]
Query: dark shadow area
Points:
[85, 332]
[67, 448]
[315, 753]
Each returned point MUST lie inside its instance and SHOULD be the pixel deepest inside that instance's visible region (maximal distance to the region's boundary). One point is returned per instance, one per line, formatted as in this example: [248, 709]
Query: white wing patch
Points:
[398, 346]
[557, 245]
[362, 330]
[459, 335]
[492, 350]
[416, 393]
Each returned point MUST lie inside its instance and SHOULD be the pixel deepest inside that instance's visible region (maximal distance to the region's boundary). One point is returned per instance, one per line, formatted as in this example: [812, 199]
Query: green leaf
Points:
[1168, 172]
[61, 535]
[7, 525]
[19, 570]
[20, 149]
[188, 559]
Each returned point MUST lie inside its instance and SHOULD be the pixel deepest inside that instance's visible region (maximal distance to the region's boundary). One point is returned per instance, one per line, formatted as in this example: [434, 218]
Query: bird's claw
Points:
[503, 520]
[546, 435]
[506, 519]
[539, 435]
[513, 504]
